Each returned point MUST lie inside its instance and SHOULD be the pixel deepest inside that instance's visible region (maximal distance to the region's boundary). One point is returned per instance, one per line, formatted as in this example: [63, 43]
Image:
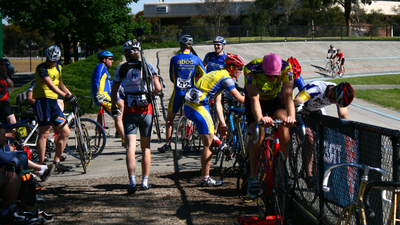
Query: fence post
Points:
[321, 171]
[396, 159]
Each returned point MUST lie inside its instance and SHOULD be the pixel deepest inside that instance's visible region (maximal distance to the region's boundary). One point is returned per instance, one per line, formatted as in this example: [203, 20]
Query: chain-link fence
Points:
[330, 141]
[246, 34]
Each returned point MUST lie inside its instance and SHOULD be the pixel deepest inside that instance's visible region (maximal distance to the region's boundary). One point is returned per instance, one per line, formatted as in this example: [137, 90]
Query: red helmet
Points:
[295, 66]
[344, 94]
[234, 60]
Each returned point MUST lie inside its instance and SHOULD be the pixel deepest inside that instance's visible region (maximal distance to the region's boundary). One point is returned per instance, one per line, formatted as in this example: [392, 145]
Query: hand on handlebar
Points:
[71, 98]
[289, 121]
[267, 121]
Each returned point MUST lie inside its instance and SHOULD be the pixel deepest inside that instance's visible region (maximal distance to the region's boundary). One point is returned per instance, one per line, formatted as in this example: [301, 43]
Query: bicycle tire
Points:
[97, 138]
[264, 201]
[196, 140]
[328, 66]
[180, 137]
[81, 149]
[230, 158]
[293, 169]
[21, 131]
[242, 181]
[343, 71]
[281, 189]
[349, 216]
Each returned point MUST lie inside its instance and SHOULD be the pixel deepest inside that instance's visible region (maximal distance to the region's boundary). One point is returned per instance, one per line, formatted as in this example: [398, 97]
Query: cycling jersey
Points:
[42, 90]
[340, 55]
[298, 83]
[332, 52]
[198, 98]
[135, 88]
[267, 90]
[4, 93]
[181, 72]
[101, 83]
[215, 62]
[314, 95]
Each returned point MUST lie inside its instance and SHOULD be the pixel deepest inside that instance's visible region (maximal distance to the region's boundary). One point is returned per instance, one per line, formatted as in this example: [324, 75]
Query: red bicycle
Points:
[272, 172]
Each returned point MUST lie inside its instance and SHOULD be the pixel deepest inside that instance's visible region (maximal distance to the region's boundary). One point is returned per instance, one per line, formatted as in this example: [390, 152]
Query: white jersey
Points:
[332, 51]
[314, 95]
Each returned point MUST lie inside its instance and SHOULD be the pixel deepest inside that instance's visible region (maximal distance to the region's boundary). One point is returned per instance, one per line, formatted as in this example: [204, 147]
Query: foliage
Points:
[330, 16]
[214, 11]
[98, 23]
[170, 33]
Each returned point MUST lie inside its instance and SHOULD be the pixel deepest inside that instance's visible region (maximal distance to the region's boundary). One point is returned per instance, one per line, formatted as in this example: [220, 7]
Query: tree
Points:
[214, 11]
[99, 23]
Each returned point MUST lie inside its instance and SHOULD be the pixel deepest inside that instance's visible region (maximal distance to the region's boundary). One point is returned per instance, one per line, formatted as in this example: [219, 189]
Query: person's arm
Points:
[114, 91]
[220, 116]
[9, 82]
[53, 87]
[343, 113]
[252, 93]
[287, 90]
[29, 99]
[157, 84]
[236, 95]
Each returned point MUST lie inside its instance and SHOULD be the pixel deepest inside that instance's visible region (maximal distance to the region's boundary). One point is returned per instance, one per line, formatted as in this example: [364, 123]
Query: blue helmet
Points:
[219, 39]
[104, 54]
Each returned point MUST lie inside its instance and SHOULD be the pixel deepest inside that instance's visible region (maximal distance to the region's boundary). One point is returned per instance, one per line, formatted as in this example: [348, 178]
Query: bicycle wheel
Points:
[349, 216]
[24, 135]
[96, 138]
[243, 180]
[335, 70]
[264, 200]
[281, 189]
[82, 148]
[180, 140]
[230, 156]
[197, 145]
[292, 167]
[328, 67]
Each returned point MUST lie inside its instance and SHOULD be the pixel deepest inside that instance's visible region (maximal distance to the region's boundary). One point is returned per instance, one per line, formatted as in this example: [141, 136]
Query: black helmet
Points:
[331, 46]
[344, 94]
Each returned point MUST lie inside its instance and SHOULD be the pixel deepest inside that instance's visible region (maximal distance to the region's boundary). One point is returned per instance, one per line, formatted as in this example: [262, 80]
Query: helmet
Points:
[295, 66]
[234, 60]
[338, 50]
[344, 94]
[104, 54]
[129, 45]
[185, 40]
[53, 53]
[219, 39]
[272, 64]
[331, 46]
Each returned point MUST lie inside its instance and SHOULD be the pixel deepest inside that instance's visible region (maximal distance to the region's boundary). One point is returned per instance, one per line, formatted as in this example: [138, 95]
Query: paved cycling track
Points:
[362, 59]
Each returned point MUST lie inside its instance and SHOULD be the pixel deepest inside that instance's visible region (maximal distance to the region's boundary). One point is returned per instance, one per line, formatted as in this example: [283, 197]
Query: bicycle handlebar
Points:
[257, 129]
[368, 188]
[366, 169]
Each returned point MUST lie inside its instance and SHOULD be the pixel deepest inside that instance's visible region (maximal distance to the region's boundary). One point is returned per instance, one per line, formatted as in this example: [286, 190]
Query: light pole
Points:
[1, 36]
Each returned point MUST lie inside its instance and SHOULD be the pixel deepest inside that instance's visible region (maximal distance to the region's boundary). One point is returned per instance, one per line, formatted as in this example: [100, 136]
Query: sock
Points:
[205, 178]
[132, 181]
[145, 181]
[42, 169]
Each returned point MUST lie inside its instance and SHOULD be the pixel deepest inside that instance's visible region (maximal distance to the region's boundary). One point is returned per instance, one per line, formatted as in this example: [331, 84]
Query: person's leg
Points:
[41, 142]
[131, 154]
[169, 126]
[9, 187]
[206, 156]
[11, 119]
[255, 149]
[61, 141]
[284, 134]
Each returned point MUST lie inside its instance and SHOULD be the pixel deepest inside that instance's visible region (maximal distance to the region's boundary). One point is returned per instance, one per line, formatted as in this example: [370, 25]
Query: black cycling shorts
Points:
[268, 107]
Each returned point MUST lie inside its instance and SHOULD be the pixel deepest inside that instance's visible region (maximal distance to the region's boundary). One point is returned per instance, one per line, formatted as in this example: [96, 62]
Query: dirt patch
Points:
[25, 65]
[173, 199]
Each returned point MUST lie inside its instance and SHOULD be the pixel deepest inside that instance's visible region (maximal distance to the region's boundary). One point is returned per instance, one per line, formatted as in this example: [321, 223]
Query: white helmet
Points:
[129, 45]
[185, 40]
[53, 53]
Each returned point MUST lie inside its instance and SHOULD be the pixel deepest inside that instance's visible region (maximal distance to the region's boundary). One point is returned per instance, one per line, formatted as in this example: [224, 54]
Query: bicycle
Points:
[355, 212]
[235, 153]
[335, 71]
[329, 66]
[187, 137]
[273, 176]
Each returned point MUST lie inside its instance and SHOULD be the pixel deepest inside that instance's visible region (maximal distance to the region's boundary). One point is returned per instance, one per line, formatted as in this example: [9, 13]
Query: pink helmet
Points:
[272, 64]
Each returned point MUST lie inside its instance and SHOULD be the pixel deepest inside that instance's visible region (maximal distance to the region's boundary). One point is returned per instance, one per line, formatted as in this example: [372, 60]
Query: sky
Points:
[137, 7]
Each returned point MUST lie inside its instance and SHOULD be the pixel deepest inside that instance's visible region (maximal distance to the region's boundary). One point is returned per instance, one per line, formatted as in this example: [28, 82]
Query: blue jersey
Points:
[182, 68]
[101, 83]
[215, 62]
[299, 83]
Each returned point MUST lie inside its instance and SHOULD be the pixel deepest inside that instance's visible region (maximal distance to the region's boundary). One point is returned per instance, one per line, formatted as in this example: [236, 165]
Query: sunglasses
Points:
[111, 59]
[239, 68]
[218, 45]
[271, 76]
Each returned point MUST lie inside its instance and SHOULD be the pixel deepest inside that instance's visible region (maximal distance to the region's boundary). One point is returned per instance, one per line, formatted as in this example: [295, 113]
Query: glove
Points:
[71, 98]
[99, 99]
[115, 112]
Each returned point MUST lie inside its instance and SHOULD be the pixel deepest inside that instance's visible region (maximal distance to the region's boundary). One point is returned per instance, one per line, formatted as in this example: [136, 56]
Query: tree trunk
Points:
[347, 11]
[67, 47]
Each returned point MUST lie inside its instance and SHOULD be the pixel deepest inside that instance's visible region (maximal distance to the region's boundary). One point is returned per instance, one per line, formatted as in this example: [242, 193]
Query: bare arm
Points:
[220, 116]
[287, 90]
[114, 91]
[9, 82]
[53, 87]
[343, 113]
[254, 97]
[157, 84]
[236, 95]
[29, 99]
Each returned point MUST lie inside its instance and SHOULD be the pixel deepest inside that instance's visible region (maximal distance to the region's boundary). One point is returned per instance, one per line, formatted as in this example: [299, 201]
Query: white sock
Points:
[132, 180]
[42, 169]
[145, 181]
[205, 178]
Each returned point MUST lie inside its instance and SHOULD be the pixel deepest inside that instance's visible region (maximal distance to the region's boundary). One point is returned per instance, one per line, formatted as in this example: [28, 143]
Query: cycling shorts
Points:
[133, 121]
[200, 115]
[342, 63]
[48, 112]
[5, 111]
[267, 107]
[176, 100]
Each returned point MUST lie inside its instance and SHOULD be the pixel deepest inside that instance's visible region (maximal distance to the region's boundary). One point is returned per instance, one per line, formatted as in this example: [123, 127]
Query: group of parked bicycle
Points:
[247, 130]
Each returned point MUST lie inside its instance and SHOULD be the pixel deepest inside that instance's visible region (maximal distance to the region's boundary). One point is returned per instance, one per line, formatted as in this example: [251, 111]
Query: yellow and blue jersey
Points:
[253, 74]
[182, 70]
[42, 90]
[101, 83]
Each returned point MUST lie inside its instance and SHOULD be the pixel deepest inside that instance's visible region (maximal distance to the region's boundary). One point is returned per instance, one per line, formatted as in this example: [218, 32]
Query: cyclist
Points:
[314, 97]
[331, 54]
[341, 60]
[197, 108]
[49, 86]
[181, 72]
[101, 89]
[268, 89]
[216, 60]
[6, 112]
[137, 110]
